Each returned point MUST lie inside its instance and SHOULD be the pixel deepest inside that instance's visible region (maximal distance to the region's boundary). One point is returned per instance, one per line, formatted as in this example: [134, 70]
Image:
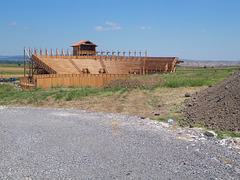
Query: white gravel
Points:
[38, 143]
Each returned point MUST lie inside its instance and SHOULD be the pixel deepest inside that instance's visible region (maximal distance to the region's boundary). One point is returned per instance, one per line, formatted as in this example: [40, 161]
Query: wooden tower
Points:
[84, 48]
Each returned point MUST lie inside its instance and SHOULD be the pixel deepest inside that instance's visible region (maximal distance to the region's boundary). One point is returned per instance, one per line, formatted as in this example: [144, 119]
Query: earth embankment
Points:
[217, 107]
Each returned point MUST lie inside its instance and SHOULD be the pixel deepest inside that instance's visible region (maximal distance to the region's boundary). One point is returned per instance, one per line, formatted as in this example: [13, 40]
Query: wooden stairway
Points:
[74, 64]
[43, 65]
[103, 65]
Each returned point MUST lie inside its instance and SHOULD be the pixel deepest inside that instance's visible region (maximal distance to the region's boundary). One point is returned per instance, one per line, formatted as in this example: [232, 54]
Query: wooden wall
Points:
[66, 80]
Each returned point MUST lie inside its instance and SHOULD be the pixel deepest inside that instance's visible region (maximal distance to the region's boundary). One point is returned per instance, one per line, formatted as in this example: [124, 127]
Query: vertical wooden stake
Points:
[24, 63]
[118, 55]
[113, 54]
[32, 67]
[51, 52]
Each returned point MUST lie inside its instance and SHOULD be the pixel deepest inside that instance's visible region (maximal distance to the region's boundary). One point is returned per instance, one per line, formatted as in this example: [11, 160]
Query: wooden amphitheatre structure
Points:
[85, 66]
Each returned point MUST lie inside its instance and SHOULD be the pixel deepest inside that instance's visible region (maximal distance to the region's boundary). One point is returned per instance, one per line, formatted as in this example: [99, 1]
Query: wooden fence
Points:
[66, 80]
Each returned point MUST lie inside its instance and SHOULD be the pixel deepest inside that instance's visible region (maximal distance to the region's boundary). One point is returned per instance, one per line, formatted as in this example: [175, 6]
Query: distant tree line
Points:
[10, 62]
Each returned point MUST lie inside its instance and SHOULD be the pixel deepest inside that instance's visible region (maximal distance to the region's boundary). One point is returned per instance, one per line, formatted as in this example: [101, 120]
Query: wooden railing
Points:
[105, 55]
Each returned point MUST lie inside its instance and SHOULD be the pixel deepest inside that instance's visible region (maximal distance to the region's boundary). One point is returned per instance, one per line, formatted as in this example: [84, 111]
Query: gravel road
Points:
[38, 143]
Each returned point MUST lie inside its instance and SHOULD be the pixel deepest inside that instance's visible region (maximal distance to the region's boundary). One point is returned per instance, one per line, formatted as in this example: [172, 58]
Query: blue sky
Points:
[188, 29]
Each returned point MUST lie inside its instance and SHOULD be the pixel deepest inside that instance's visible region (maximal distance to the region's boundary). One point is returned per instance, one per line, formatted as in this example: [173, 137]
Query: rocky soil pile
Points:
[146, 82]
[217, 106]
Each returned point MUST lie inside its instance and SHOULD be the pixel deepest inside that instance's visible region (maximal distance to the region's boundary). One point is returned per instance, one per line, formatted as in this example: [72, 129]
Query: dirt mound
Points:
[217, 106]
[145, 82]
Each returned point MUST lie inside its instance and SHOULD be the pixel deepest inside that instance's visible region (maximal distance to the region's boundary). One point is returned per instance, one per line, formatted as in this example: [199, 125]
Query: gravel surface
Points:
[38, 143]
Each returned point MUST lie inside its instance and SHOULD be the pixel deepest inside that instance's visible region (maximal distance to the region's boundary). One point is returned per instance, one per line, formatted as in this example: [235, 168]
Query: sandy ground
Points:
[6, 76]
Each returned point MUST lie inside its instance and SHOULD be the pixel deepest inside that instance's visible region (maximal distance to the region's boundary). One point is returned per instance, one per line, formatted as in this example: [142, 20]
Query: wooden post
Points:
[46, 52]
[124, 54]
[32, 66]
[144, 62]
[96, 54]
[118, 55]
[29, 67]
[67, 52]
[51, 52]
[24, 62]
[113, 54]
[166, 67]
[107, 53]
[102, 53]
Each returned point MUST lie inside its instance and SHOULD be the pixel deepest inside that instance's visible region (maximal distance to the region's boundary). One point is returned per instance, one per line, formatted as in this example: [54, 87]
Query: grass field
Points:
[182, 78]
[11, 70]
[12, 65]
[195, 78]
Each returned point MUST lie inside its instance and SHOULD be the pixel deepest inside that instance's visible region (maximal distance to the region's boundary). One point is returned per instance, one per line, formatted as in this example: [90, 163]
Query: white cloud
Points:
[111, 26]
[13, 23]
[116, 28]
[99, 28]
[144, 27]
[111, 23]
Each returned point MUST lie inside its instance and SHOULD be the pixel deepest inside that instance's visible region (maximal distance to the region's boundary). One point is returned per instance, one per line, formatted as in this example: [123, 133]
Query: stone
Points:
[210, 134]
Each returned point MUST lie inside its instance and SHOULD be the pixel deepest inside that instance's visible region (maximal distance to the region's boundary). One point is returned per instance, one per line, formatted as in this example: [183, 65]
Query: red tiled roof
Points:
[82, 42]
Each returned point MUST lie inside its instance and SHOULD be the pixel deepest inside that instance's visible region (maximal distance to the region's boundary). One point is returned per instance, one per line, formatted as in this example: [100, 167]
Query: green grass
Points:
[193, 79]
[12, 65]
[11, 72]
[6, 88]
[122, 92]
[182, 78]
[9, 95]
[222, 134]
